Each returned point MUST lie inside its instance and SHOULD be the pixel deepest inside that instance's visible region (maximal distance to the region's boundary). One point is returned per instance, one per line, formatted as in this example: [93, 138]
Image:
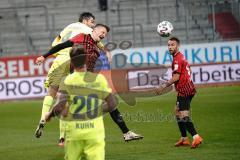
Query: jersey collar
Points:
[176, 53]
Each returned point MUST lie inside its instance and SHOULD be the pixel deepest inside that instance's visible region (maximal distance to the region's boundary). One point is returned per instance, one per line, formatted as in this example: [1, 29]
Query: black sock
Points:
[189, 126]
[182, 128]
[117, 118]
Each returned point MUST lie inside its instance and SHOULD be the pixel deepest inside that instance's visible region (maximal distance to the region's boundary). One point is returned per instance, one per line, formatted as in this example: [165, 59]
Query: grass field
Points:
[215, 111]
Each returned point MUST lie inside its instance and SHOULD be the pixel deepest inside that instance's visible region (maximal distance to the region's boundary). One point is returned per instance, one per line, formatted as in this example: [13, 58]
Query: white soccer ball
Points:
[164, 28]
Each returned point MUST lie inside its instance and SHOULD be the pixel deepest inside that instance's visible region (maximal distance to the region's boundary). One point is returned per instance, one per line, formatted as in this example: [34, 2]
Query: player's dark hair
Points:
[103, 25]
[86, 15]
[175, 39]
[78, 56]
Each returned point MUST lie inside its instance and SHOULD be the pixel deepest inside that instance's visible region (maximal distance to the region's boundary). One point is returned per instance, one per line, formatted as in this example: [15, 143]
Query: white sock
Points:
[183, 138]
[195, 136]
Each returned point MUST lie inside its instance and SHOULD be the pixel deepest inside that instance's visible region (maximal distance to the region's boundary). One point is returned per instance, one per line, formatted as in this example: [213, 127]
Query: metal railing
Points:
[24, 27]
[45, 12]
[133, 32]
[218, 5]
[135, 27]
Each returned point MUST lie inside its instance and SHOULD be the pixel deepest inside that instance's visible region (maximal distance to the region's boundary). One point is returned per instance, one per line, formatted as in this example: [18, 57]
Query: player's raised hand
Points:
[39, 60]
[159, 90]
[109, 56]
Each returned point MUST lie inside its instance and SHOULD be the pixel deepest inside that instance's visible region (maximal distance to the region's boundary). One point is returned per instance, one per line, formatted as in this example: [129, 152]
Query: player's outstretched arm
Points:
[163, 88]
[53, 50]
[59, 106]
[174, 78]
[108, 55]
[106, 51]
[58, 47]
[39, 60]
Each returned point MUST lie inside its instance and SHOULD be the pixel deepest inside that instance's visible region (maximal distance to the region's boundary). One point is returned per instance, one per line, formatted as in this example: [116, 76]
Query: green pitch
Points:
[215, 111]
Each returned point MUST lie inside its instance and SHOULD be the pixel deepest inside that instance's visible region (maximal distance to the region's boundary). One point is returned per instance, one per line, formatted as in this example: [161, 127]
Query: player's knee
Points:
[112, 108]
[186, 119]
[111, 104]
[108, 108]
[183, 119]
[184, 113]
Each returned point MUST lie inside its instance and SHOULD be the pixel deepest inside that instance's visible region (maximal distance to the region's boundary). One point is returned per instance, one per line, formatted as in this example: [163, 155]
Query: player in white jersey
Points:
[61, 68]
[61, 65]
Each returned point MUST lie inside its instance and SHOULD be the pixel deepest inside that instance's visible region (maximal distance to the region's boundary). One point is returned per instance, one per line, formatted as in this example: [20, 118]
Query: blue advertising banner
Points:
[194, 53]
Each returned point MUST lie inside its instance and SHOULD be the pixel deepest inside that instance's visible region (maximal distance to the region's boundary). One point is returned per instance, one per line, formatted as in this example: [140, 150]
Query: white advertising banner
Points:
[32, 87]
[201, 74]
[22, 88]
[217, 73]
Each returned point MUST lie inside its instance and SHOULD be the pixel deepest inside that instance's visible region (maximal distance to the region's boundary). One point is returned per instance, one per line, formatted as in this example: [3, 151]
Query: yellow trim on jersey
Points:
[101, 46]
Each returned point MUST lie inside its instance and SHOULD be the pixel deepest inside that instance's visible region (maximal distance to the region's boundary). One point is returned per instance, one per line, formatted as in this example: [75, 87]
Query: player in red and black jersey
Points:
[89, 42]
[181, 78]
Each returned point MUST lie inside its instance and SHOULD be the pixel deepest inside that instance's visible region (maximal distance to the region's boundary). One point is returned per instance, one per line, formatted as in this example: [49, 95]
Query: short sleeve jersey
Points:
[184, 86]
[86, 92]
[90, 47]
[71, 31]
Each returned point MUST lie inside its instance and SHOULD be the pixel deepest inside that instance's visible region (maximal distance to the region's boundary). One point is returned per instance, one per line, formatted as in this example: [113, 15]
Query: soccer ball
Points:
[164, 29]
